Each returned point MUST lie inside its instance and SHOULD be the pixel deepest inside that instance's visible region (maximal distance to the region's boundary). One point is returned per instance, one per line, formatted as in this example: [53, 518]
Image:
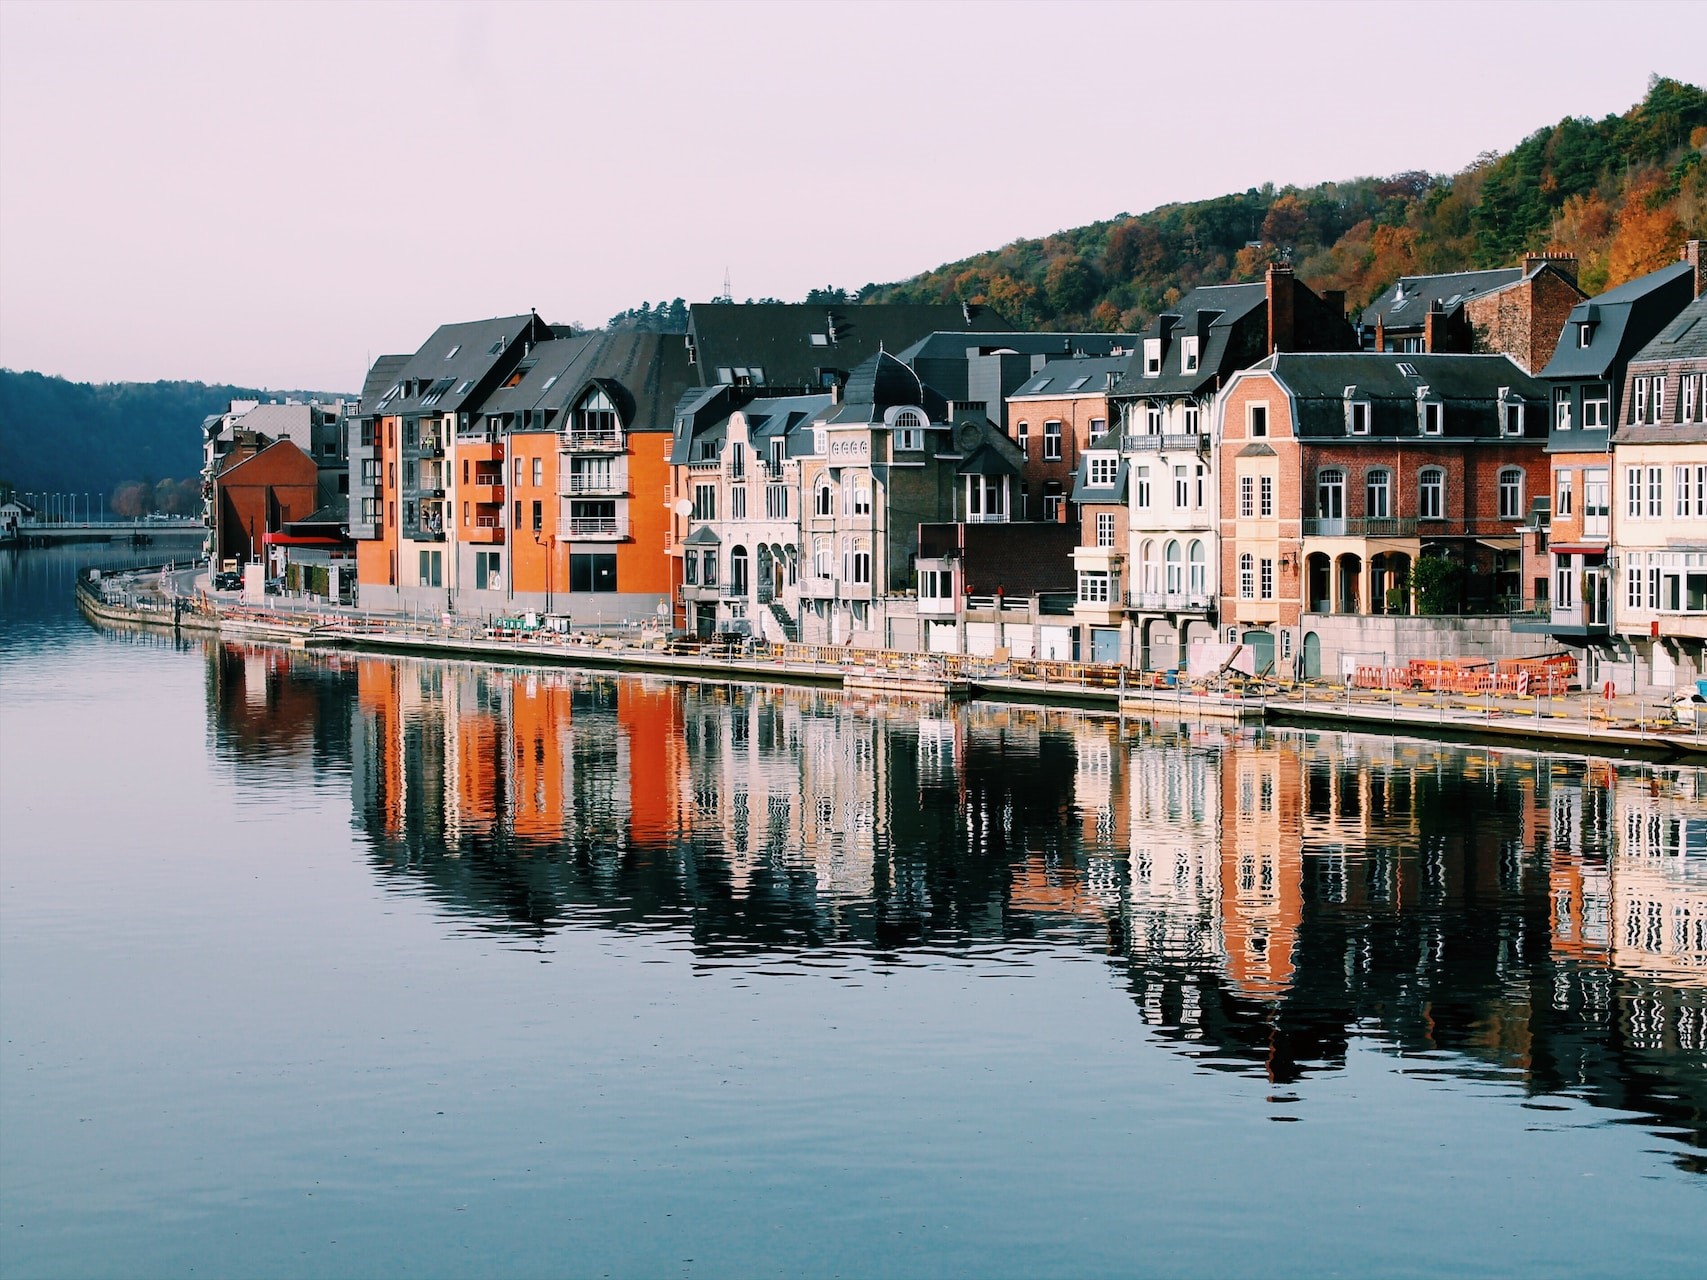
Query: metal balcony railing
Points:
[592, 441]
[1193, 441]
[1168, 601]
[1361, 527]
[575, 485]
[592, 527]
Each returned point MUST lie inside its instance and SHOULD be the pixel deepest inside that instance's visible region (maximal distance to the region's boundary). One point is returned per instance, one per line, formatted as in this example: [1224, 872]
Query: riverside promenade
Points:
[1572, 720]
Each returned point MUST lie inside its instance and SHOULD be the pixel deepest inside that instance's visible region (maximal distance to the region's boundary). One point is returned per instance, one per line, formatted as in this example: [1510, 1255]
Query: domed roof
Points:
[884, 382]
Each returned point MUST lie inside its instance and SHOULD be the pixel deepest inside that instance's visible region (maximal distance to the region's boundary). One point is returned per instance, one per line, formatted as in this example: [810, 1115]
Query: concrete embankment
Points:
[1572, 724]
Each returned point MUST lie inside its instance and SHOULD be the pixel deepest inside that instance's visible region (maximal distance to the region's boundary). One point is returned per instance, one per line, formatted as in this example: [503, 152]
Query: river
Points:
[330, 965]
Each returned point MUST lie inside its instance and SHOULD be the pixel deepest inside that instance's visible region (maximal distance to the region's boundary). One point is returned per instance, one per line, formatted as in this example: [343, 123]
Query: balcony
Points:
[574, 486]
[1169, 601]
[431, 448]
[591, 442]
[592, 527]
[480, 450]
[1361, 527]
[988, 517]
[485, 534]
[484, 494]
[1191, 442]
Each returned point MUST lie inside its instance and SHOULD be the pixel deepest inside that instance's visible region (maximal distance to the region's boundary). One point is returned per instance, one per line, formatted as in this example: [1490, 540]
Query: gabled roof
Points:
[458, 362]
[881, 383]
[380, 379]
[643, 374]
[783, 344]
[705, 414]
[1230, 322]
[1624, 320]
[1084, 491]
[1407, 300]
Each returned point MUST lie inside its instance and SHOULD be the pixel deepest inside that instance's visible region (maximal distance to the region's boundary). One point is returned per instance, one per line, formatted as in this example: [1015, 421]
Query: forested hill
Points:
[1621, 193]
[61, 436]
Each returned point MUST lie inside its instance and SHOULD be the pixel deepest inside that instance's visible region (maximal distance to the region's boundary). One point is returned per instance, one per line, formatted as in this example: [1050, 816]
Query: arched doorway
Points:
[1318, 578]
[1312, 656]
[738, 571]
[1261, 645]
[1350, 581]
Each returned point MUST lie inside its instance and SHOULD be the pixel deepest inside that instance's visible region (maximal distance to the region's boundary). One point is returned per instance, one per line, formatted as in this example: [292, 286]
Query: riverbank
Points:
[164, 598]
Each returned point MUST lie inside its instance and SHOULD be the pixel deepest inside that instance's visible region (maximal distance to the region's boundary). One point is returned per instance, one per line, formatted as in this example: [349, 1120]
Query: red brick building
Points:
[258, 492]
[1339, 472]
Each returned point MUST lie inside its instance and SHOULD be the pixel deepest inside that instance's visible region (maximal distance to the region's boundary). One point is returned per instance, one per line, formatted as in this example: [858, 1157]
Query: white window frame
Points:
[1510, 481]
[1431, 481]
[1052, 440]
[1105, 528]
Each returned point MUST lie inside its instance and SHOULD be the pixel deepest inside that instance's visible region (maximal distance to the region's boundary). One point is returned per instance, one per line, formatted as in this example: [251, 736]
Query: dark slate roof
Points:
[1214, 314]
[382, 377]
[1407, 300]
[705, 415]
[881, 383]
[1685, 338]
[458, 364]
[788, 343]
[644, 374]
[1114, 493]
[955, 345]
[1085, 376]
[1624, 320]
[1468, 386]
[988, 461]
[703, 536]
[336, 511]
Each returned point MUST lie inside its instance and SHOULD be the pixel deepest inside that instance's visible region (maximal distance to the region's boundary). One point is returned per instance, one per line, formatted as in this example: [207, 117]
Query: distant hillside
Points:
[1621, 193]
[61, 436]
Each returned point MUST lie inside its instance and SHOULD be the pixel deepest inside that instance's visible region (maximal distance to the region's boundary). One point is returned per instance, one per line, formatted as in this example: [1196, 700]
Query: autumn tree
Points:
[1648, 233]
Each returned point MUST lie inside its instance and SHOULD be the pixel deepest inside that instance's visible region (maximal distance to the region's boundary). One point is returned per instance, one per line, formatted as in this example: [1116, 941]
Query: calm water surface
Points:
[334, 966]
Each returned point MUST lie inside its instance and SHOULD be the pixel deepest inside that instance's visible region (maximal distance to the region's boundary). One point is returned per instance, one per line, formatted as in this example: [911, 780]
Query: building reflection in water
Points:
[1265, 897]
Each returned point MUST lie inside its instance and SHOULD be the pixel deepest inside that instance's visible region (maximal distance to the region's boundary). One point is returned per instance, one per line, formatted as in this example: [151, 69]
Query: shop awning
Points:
[1572, 549]
[301, 540]
[1513, 543]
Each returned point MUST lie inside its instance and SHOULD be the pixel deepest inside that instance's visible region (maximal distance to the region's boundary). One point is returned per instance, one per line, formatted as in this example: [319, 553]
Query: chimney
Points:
[1562, 262]
[1282, 304]
[1434, 324]
[1691, 253]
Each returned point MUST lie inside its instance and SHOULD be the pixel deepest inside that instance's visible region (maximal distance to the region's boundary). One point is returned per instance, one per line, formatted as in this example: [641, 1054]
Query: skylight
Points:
[466, 384]
[1078, 382]
[1408, 370]
[1041, 383]
[451, 354]
[548, 382]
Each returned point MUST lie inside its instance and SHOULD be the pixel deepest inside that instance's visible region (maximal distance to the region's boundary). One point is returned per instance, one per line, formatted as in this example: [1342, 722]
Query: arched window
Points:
[1152, 568]
[1176, 579]
[738, 570]
[824, 499]
[1247, 577]
[1198, 567]
[1511, 493]
[1330, 494]
[595, 418]
[1378, 493]
[909, 418]
[823, 559]
[1431, 494]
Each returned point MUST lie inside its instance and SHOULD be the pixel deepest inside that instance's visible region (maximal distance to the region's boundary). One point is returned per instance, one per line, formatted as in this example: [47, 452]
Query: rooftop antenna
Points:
[727, 296]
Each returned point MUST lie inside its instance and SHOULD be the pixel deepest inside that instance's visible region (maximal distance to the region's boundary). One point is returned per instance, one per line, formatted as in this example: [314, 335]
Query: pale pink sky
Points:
[269, 194]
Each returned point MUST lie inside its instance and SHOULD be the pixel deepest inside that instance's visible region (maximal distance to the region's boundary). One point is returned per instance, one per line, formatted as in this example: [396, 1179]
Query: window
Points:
[1189, 355]
[1564, 585]
[516, 468]
[1654, 586]
[738, 502]
[910, 439]
[1597, 499]
[1638, 402]
[432, 568]
[705, 502]
[690, 568]
[1597, 405]
[1141, 487]
[776, 502]
[538, 515]
[1659, 394]
[1330, 494]
[1633, 492]
[1247, 577]
[861, 565]
[1182, 488]
[1690, 400]
[1431, 487]
[1513, 418]
[538, 472]
[518, 522]
[823, 500]
[1105, 529]
[1562, 494]
[1052, 507]
[1152, 357]
[596, 571]
[1585, 333]
[1633, 585]
[1025, 440]
[1266, 584]
[861, 496]
[1093, 587]
[1431, 417]
[1202, 483]
[1175, 567]
[1256, 420]
[1357, 418]
[1378, 493]
[1680, 487]
[1511, 493]
[1051, 441]
[1193, 420]
[1152, 418]
[370, 471]
[488, 571]
[710, 568]
[1562, 408]
[1247, 497]
[1656, 492]
[1265, 496]
[1197, 565]
[1101, 471]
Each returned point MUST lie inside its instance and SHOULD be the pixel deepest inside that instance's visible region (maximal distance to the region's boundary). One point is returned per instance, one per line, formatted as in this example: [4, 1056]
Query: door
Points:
[1330, 502]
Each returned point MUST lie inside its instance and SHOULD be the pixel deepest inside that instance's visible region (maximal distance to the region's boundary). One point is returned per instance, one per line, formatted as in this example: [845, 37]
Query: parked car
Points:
[230, 580]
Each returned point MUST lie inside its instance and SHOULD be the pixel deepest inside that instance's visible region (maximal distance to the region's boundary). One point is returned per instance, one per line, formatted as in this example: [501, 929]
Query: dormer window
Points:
[1188, 355]
[1511, 417]
[1356, 413]
[1100, 471]
[1430, 413]
[1152, 357]
[1585, 333]
[909, 426]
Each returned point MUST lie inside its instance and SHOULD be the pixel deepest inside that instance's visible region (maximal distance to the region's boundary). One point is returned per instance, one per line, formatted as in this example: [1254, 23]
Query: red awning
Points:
[1569, 549]
[300, 540]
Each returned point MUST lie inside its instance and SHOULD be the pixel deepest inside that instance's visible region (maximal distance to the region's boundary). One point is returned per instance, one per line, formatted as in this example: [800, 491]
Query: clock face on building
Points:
[968, 434]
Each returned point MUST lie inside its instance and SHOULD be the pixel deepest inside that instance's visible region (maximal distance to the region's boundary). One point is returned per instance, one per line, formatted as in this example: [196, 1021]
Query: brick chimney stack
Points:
[1691, 253]
[1282, 306]
[1434, 325]
[1563, 262]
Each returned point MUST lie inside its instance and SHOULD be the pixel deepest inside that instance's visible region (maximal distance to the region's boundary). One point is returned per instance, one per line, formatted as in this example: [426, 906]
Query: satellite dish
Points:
[684, 507]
